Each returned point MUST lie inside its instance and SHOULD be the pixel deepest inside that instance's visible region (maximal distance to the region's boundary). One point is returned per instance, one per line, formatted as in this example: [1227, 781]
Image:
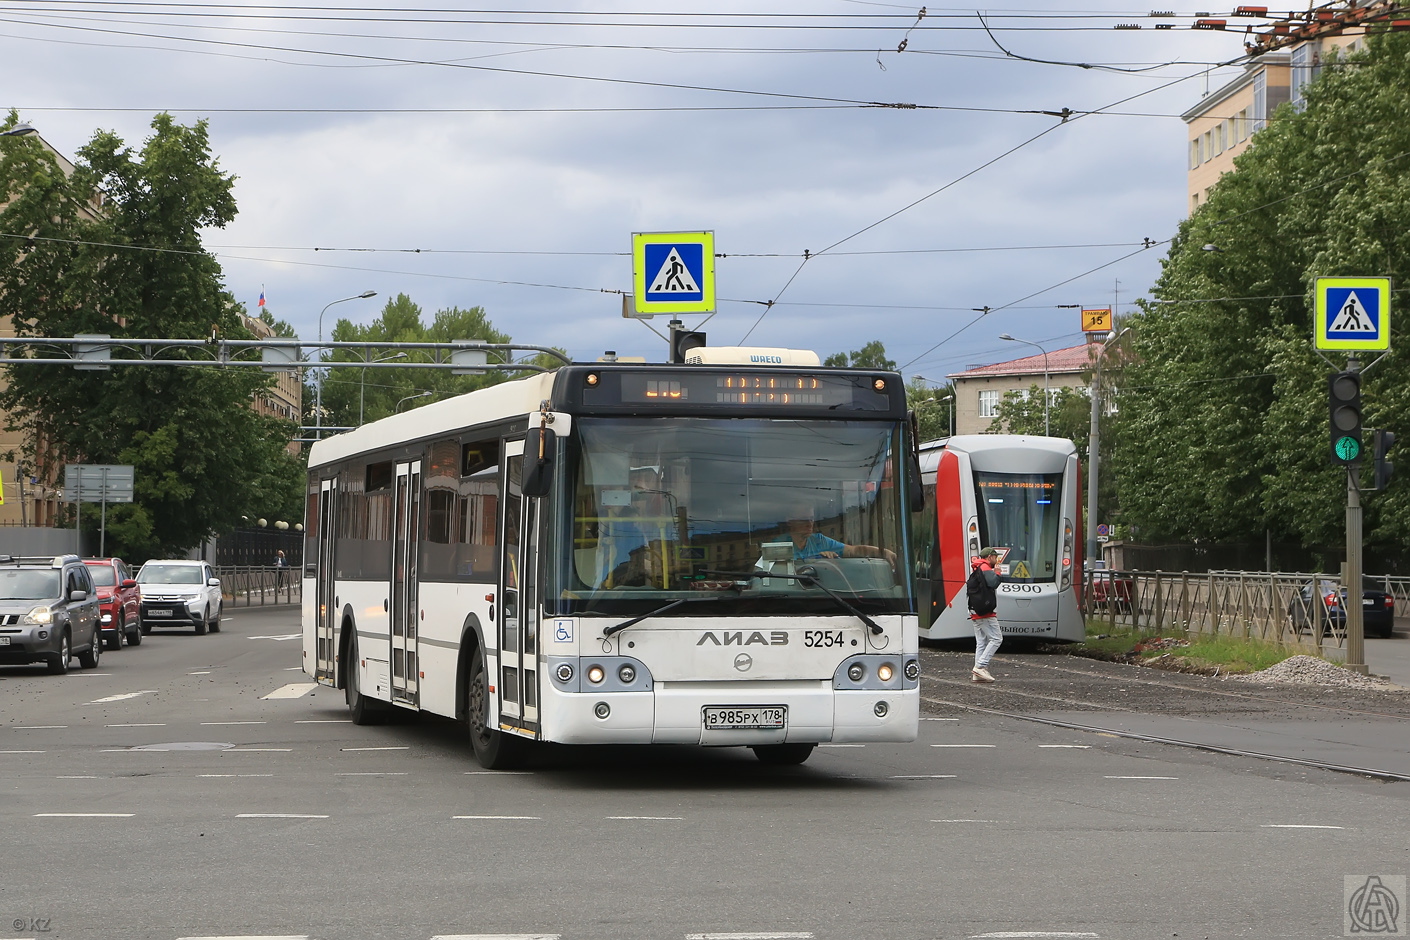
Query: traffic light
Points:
[683, 341]
[1384, 441]
[1345, 399]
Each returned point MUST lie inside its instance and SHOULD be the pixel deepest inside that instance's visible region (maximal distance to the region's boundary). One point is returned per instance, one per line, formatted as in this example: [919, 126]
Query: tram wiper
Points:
[807, 579]
[619, 627]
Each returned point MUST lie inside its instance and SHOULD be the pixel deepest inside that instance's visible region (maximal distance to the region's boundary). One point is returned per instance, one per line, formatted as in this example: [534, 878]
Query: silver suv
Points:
[48, 612]
[179, 592]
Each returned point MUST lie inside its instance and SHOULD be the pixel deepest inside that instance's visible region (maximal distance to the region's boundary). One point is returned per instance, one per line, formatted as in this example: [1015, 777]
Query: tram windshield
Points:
[1020, 514]
[735, 511]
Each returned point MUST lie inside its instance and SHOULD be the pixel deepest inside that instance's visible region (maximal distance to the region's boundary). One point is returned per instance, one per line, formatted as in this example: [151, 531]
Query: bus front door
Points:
[326, 606]
[404, 610]
[518, 619]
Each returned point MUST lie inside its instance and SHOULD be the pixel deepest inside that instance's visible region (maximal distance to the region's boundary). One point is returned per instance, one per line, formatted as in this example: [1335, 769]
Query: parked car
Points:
[179, 593]
[48, 612]
[1111, 589]
[1377, 607]
[119, 603]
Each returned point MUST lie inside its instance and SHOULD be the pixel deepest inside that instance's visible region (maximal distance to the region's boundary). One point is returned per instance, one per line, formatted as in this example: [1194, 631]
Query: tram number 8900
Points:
[822, 638]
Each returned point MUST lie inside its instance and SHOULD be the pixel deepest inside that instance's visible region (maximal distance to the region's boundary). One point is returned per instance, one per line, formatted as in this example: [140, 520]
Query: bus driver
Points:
[808, 543]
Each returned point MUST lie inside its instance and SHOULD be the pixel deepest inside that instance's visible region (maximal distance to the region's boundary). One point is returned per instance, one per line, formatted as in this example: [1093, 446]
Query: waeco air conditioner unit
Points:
[750, 356]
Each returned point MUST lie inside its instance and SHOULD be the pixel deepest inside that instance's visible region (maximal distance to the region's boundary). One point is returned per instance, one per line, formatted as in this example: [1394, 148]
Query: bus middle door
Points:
[325, 603]
[404, 594]
[518, 619]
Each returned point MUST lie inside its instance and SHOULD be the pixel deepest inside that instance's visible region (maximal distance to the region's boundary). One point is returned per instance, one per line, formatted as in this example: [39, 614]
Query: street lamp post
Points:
[19, 130]
[318, 391]
[362, 385]
[409, 398]
[1094, 444]
[1047, 428]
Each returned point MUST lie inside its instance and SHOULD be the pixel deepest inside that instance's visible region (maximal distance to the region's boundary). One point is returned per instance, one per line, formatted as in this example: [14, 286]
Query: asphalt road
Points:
[307, 826]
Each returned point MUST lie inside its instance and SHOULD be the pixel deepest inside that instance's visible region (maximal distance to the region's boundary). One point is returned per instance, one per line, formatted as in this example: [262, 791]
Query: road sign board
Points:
[1352, 313]
[1103, 529]
[673, 272]
[1096, 319]
[98, 483]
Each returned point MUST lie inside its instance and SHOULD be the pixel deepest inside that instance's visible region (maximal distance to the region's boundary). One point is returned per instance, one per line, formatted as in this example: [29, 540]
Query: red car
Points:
[118, 601]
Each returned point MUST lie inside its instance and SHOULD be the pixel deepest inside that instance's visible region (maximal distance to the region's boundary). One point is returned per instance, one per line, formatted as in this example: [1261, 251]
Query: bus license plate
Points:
[745, 717]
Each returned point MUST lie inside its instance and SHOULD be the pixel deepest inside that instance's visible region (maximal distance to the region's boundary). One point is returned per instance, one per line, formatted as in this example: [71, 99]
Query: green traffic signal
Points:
[1348, 448]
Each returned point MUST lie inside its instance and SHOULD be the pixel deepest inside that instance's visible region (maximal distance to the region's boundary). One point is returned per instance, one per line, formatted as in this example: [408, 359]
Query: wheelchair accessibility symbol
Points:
[563, 631]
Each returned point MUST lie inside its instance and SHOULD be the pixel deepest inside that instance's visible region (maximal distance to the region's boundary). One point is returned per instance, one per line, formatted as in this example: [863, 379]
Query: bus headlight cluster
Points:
[627, 674]
[565, 672]
[855, 672]
[595, 675]
[912, 670]
[884, 672]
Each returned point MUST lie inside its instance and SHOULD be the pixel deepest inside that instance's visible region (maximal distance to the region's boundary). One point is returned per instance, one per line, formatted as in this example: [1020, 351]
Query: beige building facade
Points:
[980, 389]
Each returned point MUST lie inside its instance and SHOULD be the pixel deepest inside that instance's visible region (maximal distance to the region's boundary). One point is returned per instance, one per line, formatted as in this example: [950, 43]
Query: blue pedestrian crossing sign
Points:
[673, 272]
[1352, 313]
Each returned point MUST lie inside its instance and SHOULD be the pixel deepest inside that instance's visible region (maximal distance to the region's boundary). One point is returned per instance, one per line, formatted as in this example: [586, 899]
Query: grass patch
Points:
[1205, 653]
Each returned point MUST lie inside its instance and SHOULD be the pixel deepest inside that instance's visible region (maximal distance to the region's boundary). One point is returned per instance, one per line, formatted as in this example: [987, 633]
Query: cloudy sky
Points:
[464, 155]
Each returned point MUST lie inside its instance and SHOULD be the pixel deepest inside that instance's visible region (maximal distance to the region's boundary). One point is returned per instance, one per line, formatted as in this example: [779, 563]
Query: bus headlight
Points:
[912, 670]
[595, 675]
[627, 674]
[565, 672]
[884, 672]
[855, 672]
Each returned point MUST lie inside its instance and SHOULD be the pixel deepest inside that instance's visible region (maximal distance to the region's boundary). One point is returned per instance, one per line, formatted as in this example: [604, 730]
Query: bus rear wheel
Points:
[783, 754]
[494, 749]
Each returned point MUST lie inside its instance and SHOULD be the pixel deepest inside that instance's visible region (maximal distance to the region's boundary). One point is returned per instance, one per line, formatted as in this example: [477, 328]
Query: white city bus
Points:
[1019, 494]
[609, 553]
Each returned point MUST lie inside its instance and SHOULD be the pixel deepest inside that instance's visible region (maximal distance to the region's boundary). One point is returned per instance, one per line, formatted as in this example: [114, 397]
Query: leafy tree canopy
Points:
[870, 356]
[114, 247]
[1223, 431]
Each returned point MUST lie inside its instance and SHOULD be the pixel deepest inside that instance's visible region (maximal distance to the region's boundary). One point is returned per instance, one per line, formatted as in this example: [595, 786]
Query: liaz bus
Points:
[707, 554]
[1018, 494]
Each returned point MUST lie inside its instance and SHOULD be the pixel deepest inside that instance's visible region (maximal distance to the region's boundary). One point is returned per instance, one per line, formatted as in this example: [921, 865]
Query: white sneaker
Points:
[982, 675]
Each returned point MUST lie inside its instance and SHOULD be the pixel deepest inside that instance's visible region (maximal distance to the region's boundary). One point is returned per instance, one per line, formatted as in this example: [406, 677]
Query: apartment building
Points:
[980, 389]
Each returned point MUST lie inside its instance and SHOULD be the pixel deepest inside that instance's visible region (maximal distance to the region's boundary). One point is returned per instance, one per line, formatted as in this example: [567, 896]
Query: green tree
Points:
[1223, 432]
[115, 248]
[933, 406]
[870, 356]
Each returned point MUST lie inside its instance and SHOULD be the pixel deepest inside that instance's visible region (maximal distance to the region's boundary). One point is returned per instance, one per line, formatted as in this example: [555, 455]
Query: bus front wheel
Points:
[363, 710]
[494, 749]
[783, 754]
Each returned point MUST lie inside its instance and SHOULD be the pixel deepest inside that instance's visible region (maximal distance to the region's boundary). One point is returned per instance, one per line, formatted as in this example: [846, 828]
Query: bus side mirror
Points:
[916, 488]
[539, 445]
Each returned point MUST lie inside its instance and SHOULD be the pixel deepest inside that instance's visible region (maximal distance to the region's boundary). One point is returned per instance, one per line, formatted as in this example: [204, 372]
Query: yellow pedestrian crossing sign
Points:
[673, 272]
[1352, 313]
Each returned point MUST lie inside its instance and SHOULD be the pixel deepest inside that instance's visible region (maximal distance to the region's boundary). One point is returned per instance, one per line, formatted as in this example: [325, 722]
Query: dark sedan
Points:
[1377, 607]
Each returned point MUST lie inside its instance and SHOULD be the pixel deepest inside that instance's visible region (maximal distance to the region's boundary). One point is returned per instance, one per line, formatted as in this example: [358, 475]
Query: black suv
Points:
[48, 612]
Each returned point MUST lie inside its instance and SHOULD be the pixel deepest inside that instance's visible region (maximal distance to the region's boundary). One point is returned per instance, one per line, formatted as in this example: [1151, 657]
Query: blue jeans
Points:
[988, 637]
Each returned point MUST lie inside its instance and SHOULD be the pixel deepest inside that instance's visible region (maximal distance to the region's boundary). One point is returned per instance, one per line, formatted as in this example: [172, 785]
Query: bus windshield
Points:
[1020, 515]
[698, 507]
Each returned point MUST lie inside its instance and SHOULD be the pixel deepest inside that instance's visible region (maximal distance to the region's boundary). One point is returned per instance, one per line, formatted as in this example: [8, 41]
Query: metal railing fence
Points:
[1275, 607]
[256, 585]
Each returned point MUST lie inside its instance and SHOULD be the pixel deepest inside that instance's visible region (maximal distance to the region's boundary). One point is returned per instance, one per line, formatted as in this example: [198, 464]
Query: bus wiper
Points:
[807, 580]
[619, 627]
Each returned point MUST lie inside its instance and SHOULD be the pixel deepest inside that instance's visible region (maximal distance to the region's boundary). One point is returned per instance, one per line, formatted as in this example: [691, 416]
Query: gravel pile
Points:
[1310, 670]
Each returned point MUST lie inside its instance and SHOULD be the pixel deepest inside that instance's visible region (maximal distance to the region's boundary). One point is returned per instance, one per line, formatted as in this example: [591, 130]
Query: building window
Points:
[1243, 125]
[988, 403]
[1218, 138]
[1306, 63]
[1194, 201]
[1194, 154]
[1260, 101]
[1208, 145]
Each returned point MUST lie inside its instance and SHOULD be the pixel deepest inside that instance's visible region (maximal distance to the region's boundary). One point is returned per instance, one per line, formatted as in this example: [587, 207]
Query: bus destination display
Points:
[747, 388]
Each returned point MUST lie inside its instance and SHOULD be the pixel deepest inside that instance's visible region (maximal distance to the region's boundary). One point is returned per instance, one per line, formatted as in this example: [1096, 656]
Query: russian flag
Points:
[261, 297]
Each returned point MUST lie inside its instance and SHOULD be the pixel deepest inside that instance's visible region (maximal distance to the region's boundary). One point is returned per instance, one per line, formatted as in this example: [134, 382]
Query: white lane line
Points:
[1018, 934]
[495, 817]
[38, 727]
[292, 690]
[23, 752]
[91, 675]
[205, 673]
[120, 697]
[78, 777]
[965, 820]
[371, 773]
[280, 749]
[302, 936]
[939, 719]
[293, 668]
[964, 745]
[496, 936]
[1117, 777]
[394, 747]
[144, 724]
[497, 773]
[326, 721]
[757, 935]
[922, 776]
[279, 816]
[257, 722]
[235, 775]
[86, 815]
[646, 817]
[841, 745]
[1076, 747]
[1296, 826]
[280, 636]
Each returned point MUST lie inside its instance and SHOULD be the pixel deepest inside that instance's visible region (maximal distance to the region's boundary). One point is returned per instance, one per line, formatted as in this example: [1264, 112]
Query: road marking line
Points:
[293, 668]
[120, 697]
[279, 816]
[497, 936]
[495, 817]
[229, 749]
[1077, 747]
[205, 673]
[148, 724]
[395, 747]
[1018, 934]
[760, 935]
[965, 820]
[370, 773]
[302, 936]
[235, 775]
[922, 776]
[964, 745]
[646, 817]
[841, 745]
[78, 777]
[23, 752]
[86, 815]
[322, 721]
[281, 636]
[497, 773]
[939, 719]
[1117, 777]
[292, 690]
[1296, 826]
[38, 727]
[91, 675]
[234, 722]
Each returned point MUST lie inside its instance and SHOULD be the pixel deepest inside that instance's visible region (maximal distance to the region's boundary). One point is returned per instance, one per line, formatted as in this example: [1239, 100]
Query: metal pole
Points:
[1047, 397]
[1093, 450]
[78, 517]
[103, 526]
[1355, 623]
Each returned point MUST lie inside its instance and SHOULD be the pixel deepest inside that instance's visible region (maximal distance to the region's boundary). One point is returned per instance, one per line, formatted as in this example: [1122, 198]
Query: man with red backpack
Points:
[981, 591]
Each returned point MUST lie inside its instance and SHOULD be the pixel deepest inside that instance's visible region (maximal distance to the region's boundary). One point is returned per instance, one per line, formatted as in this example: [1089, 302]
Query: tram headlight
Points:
[565, 672]
[602, 709]
[627, 674]
[884, 672]
[880, 709]
[912, 670]
[855, 672]
[595, 674]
